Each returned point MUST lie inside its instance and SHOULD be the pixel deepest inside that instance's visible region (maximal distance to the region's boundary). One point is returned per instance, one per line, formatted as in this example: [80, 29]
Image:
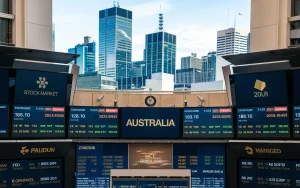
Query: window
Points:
[5, 31]
[295, 25]
[5, 6]
[295, 8]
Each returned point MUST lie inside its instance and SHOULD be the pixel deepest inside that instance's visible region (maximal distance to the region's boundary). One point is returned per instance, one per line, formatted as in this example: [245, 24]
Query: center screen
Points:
[31, 173]
[38, 122]
[208, 123]
[150, 122]
[263, 122]
[268, 173]
[92, 122]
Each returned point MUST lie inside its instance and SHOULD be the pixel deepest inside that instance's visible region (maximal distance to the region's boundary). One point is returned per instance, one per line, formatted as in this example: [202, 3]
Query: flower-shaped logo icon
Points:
[42, 82]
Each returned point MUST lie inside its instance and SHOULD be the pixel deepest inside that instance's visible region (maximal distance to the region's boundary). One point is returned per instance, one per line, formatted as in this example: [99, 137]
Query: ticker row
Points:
[32, 122]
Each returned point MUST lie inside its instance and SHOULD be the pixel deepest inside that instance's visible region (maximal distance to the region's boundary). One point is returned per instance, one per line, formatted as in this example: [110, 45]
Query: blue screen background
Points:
[4, 121]
[275, 85]
[151, 113]
[4, 85]
[27, 80]
[25, 169]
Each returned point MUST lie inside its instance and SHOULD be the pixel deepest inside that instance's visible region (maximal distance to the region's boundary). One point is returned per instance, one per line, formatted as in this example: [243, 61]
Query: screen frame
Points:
[93, 107]
[289, 87]
[35, 138]
[290, 118]
[234, 123]
[67, 94]
[180, 109]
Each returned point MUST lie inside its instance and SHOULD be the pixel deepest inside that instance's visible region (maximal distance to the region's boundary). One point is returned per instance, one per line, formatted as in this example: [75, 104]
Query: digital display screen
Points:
[4, 85]
[263, 122]
[208, 123]
[268, 173]
[150, 183]
[40, 88]
[296, 89]
[94, 162]
[296, 122]
[176, 183]
[92, 122]
[38, 122]
[31, 173]
[259, 89]
[206, 161]
[4, 116]
[150, 122]
[124, 183]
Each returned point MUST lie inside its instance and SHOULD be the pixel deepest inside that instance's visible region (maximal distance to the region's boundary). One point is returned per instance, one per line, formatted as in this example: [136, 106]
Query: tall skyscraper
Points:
[191, 62]
[115, 42]
[160, 51]
[248, 43]
[53, 37]
[209, 67]
[87, 59]
[230, 41]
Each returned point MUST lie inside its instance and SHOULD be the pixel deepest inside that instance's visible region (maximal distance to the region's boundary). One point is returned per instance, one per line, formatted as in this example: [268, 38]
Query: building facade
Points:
[87, 59]
[280, 26]
[191, 62]
[23, 24]
[209, 67]
[230, 41]
[188, 76]
[115, 42]
[138, 69]
[160, 53]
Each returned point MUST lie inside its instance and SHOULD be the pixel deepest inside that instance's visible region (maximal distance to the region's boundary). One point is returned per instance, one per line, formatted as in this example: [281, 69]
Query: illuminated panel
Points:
[40, 88]
[208, 123]
[4, 85]
[178, 183]
[268, 173]
[31, 173]
[38, 122]
[151, 183]
[124, 183]
[258, 89]
[93, 122]
[150, 122]
[4, 121]
[94, 162]
[263, 122]
[296, 122]
[206, 162]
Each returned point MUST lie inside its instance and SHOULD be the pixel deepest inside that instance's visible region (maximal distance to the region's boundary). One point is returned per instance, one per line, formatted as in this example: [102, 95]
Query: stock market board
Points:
[38, 122]
[90, 122]
[4, 116]
[206, 161]
[263, 122]
[45, 173]
[208, 123]
[268, 173]
[94, 162]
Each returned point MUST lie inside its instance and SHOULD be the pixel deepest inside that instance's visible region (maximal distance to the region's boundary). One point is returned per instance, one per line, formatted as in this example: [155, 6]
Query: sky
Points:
[195, 22]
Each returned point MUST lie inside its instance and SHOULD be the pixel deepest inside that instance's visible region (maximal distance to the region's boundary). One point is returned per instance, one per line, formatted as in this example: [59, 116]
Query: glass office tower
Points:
[160, 53]
[115, 42]
[87, 59]
[209, 67]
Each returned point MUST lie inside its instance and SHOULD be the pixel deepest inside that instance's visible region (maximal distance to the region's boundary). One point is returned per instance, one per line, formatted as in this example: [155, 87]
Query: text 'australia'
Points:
[150, 122]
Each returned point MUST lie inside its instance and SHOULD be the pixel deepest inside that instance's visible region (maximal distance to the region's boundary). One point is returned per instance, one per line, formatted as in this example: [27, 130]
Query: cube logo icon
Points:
[260, 85]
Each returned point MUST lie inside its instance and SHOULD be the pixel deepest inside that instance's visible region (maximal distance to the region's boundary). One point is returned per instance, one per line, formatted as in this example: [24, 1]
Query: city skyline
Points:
[196, 30]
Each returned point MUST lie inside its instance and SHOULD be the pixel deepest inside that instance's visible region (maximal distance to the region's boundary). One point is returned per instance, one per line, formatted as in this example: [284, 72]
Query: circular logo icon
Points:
[150, 101]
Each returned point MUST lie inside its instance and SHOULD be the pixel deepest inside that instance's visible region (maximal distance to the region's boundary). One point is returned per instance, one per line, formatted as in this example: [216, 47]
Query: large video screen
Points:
[296, 88]
[4, 116]
[268, 173]
[261, 89]
[263, 122]
[38, 122]
[94, 162]
[4, 85]
[90, 122]
[45, 173]
[296, 122]
[206, 161]
[150, 122]
[40, 88]
[208, 123]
